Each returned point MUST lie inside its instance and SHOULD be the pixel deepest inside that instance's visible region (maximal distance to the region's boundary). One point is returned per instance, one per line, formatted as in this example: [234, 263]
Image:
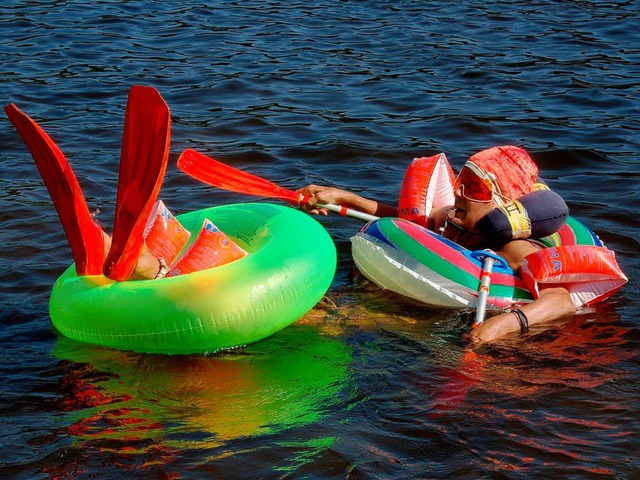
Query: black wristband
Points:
[522, 319]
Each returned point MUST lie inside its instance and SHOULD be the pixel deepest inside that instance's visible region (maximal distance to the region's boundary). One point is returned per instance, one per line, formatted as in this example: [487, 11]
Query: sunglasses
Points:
[474, 186]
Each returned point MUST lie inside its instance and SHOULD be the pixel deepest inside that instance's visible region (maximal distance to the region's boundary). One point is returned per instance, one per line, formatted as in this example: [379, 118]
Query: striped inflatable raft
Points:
[406, 258]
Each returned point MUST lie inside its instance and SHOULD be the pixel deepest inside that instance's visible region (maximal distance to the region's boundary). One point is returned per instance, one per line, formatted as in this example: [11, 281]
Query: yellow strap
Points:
[518, 218]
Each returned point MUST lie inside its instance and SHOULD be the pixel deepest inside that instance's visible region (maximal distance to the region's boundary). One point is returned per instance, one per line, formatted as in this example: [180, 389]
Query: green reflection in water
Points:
[118, 400]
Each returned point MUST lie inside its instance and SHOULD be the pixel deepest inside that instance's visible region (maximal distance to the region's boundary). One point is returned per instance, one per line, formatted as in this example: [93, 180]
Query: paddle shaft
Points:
[349, 212]
[483, 290]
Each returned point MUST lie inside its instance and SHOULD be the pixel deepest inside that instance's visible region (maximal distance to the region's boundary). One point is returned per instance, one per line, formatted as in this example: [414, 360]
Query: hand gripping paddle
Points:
[83, 233]
[223, 176]
[143, 161]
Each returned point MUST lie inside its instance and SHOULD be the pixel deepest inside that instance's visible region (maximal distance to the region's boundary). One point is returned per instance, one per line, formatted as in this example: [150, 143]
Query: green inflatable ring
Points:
[291, 264]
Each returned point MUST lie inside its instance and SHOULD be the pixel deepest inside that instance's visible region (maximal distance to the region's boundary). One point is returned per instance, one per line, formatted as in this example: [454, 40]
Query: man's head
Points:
[489, 179]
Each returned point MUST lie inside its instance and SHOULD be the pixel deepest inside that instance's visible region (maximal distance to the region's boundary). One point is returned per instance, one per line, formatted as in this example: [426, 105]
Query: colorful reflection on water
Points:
[145, 408]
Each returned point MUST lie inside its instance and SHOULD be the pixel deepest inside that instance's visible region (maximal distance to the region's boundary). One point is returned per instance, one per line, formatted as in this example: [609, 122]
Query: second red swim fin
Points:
[84, 234]
[143, 161]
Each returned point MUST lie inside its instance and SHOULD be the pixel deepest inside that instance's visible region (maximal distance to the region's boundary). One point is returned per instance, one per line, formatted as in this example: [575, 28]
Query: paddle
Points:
[83, 233]
[488, 260]
[143, 161]
[223, 176]
[483, 290]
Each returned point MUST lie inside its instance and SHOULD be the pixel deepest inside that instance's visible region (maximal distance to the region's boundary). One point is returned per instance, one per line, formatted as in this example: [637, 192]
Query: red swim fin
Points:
[84, 234]
[143, 161]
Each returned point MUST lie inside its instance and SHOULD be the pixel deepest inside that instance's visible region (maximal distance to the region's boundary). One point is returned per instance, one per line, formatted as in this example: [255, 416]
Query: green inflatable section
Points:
[291, 264]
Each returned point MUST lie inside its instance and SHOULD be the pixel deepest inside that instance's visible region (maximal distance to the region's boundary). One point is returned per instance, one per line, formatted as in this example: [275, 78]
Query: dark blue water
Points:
[339, 92]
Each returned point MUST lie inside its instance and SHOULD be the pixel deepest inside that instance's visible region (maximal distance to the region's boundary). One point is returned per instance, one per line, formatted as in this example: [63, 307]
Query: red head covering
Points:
[513, 170]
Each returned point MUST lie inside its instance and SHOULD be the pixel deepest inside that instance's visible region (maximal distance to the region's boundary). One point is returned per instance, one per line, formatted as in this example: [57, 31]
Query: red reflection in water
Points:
[453, 391]
[573, 360]
[564, 355]
[122, 437]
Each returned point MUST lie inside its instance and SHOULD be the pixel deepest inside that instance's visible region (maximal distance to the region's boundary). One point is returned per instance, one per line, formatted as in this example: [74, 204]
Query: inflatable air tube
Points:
[427, 185]
[534, 215]
[590, 273]
[290, 266]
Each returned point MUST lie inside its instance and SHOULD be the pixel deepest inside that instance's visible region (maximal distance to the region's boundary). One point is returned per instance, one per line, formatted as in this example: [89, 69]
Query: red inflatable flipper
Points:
[84, 235]
[143, 161]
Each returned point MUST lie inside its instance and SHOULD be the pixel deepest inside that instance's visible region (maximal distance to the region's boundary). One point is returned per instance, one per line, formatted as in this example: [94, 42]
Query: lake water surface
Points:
[344, 93]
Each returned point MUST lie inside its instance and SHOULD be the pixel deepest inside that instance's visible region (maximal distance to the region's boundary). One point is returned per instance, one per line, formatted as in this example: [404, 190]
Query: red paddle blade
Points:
[223, 176]
[143, 161]
[453, 391]
[84, 235]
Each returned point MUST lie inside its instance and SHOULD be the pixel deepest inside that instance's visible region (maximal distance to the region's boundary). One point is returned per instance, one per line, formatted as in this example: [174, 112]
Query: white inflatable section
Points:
[394, 270]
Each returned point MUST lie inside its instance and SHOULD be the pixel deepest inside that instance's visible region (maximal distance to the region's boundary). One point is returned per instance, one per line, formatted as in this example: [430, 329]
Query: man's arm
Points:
[553, 303]
[323, 195]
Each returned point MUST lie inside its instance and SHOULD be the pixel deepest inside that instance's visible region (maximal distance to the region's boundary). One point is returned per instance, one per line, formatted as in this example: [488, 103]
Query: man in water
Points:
[487, 180]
